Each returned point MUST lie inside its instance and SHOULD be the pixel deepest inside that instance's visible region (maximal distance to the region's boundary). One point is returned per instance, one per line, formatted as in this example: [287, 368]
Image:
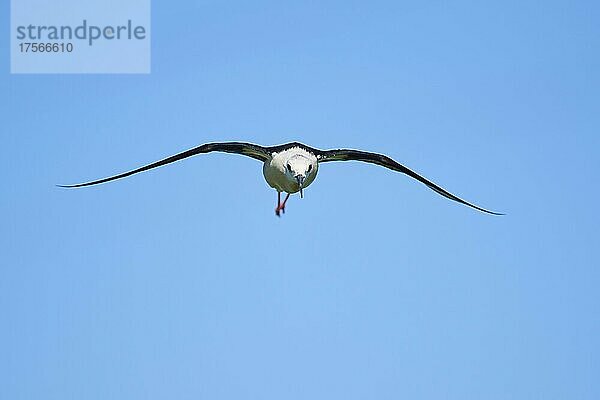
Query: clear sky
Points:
[181, 282]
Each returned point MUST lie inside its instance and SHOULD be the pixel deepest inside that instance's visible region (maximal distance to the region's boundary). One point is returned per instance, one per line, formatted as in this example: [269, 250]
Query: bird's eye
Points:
[309, 167]
[289, 167]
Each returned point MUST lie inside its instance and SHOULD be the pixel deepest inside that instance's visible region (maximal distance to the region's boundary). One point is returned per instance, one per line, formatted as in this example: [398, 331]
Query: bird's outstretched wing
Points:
[247, 149]
[385, 161]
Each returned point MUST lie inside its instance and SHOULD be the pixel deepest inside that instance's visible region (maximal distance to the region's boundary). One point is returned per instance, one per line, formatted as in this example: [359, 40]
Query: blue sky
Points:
[182, 283]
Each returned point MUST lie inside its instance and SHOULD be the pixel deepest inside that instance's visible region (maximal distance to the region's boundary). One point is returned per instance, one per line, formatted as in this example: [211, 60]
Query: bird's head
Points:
[302, 170]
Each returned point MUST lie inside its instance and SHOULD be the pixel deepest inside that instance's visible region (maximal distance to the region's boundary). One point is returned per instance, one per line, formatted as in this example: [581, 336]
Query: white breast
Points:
[275, 174]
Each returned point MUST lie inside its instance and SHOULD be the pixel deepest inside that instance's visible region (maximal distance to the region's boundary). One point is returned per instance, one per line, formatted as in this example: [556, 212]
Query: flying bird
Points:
[290, 167]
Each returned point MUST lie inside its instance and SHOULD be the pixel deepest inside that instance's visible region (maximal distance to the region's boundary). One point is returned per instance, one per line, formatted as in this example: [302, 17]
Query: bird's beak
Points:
[300, 180]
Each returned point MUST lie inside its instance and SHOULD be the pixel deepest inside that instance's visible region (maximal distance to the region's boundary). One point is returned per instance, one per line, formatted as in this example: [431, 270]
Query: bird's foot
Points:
[279, 210]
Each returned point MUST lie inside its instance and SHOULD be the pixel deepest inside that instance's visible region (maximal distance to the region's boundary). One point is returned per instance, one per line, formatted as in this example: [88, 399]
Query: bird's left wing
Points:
[247, 149]
[385, 161]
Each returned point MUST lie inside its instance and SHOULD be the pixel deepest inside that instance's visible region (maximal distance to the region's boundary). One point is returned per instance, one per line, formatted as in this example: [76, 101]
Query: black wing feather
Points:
[247, 149]
[385, 161]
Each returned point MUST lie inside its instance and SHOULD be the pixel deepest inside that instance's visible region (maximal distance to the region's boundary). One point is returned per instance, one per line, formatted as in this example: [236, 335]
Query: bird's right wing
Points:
[387, 162]
[247, 149]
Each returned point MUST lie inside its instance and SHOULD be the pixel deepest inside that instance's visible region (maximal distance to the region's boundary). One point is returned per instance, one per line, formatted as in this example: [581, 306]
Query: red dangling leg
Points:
[281, 206]
[278, 208]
